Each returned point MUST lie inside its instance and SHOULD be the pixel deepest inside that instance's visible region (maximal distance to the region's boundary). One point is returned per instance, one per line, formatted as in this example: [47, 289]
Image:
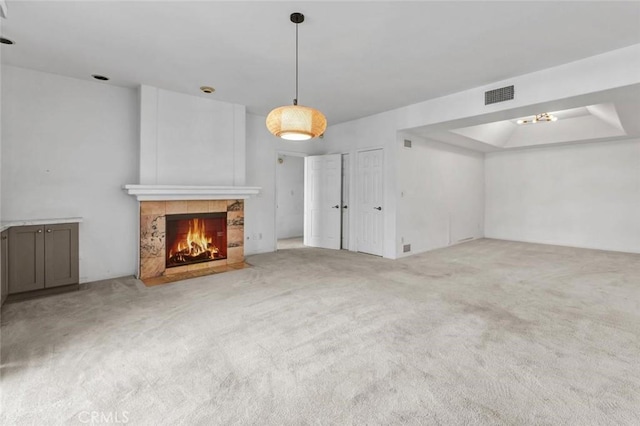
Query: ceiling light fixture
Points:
[207, 89]
[100, 77]
[6, 41]
[296, 122]
[544, 117]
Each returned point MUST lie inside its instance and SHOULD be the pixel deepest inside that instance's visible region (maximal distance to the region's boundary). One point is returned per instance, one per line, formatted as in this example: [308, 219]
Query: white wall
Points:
[376, 131]
[433, 193]
[262, 154]
[557, 85]
[289, 196]
[441, 199]
[259, 211]
[68, 146]
[553, 87]
[584, 195]
[190, 140]
[68, 141]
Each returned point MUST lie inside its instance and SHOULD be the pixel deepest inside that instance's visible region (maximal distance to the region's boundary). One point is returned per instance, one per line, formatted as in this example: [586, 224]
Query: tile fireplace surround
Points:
[157, 202]
[153, 228]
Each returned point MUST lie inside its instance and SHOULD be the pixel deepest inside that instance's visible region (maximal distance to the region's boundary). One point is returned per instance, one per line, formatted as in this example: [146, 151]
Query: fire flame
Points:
[196, 246]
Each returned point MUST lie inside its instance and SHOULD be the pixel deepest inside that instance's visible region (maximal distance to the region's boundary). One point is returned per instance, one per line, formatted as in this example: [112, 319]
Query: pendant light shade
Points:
[296, 122]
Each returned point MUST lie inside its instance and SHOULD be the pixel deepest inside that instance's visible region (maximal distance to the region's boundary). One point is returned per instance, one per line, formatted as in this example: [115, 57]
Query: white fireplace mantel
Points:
[186, 192]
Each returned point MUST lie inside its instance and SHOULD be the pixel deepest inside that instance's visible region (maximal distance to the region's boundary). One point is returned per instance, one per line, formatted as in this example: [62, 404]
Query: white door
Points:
[322, 176]
[345, 201]
[370, 209]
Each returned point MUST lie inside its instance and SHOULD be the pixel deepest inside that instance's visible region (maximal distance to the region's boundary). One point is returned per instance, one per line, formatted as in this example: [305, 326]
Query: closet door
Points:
[322, 200]
[370, 209]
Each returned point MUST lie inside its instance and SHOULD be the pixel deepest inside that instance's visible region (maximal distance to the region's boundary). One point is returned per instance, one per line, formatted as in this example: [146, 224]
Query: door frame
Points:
[346, 238]
[353, 186]
[278, 153]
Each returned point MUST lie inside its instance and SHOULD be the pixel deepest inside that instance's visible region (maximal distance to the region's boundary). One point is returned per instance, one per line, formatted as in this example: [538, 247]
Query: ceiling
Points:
[356, 58]
[595, 117]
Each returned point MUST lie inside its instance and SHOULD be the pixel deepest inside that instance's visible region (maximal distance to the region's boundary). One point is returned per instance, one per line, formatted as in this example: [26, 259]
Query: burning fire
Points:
[196, 247]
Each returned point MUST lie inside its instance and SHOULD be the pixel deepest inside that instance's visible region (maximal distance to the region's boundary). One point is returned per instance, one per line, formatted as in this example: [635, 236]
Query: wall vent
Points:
[498, 95]
[407, 143]
[406, 248]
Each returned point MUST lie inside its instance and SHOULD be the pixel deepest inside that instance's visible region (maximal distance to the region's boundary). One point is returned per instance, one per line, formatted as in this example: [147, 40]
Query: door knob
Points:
[378, 208]
[48, 230]
[337, 206]
[344, 207]
[39, 231]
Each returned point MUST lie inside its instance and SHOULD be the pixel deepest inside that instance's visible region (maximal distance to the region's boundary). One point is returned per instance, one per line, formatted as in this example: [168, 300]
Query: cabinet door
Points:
[61, 254]
[4, 265]
[26, 258]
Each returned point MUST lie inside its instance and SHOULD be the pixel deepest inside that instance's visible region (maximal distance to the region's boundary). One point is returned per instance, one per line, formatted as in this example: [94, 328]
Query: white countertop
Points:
[6, 224]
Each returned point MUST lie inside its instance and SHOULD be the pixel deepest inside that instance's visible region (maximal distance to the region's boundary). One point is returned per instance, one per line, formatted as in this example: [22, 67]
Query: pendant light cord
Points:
[295, 101]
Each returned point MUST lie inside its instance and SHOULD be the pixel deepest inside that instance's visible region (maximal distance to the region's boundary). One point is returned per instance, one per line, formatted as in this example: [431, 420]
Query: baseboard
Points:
[455, 243]
[16, 297]
[562, 244]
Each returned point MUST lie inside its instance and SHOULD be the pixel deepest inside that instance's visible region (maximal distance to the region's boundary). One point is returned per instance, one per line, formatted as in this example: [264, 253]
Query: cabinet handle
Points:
[377, 208]
[48, 230]
[39, 231]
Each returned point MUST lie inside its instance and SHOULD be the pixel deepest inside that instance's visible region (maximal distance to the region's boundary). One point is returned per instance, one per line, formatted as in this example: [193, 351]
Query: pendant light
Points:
[296, 122]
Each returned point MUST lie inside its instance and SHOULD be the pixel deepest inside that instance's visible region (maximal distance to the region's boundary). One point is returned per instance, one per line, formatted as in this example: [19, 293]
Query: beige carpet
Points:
[487, 332]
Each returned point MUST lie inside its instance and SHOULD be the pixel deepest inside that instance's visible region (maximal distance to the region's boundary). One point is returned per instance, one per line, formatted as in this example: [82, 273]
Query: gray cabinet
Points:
[4, 265]
[42, 257]
[61, 255]
[26, 258]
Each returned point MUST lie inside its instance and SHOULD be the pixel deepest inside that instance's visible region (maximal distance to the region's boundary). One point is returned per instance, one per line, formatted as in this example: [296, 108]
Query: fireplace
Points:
[195, 238]
[158, 203]
[190, 236]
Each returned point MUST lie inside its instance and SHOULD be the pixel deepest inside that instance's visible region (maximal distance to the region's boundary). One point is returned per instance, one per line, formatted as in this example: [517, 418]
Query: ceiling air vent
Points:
[498, 95]
[407, 143]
